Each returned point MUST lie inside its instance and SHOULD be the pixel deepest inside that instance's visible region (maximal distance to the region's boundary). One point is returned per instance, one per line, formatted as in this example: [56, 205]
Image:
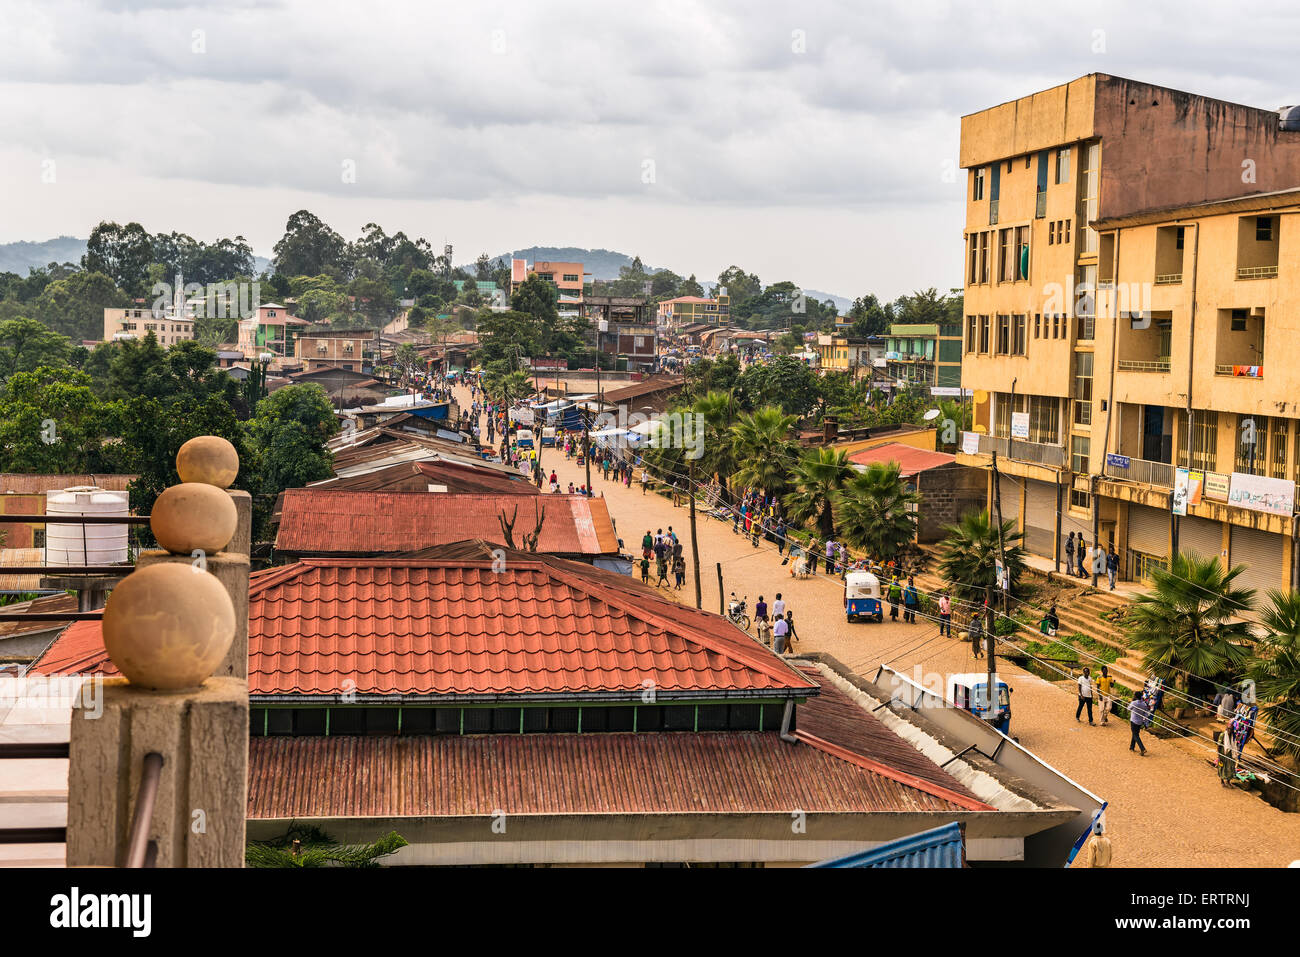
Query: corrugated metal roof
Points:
[326, 521]
[424, 627]
[11, 557]
[911, 460]
[78, 651]
[24, 484]
[726, 772]
[46, 604]
[937, 847]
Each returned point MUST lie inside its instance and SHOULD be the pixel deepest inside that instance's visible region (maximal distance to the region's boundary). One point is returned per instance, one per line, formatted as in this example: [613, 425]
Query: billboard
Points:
[1275, 496]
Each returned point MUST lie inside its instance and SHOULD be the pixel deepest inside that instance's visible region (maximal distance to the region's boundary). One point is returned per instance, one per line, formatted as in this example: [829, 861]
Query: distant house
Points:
[270, 329]
[685, 310]
[324, 348]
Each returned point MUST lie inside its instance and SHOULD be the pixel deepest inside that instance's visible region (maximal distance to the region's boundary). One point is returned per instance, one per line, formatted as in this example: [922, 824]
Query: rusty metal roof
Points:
[24, 484]
[78, 651]
[724, 772]
[327, 521]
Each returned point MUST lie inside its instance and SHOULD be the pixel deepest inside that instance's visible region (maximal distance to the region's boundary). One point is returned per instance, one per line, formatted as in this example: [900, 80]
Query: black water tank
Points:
[1289, 118]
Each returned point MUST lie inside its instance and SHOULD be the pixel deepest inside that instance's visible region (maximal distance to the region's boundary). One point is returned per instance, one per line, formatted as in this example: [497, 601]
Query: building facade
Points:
[347, 349]
[270, 329]
[926, 354]
[138, 321]
[686, 310]
[1063, 247]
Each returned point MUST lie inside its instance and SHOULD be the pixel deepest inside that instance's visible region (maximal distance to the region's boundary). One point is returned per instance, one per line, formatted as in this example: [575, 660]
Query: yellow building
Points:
[843, 353]
[1072, 209]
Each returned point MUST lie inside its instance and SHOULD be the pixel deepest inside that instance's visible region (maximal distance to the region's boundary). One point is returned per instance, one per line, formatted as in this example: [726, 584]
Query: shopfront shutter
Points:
[1261, 554]
[1040, 517]
[1148, 530]
[1200, 537]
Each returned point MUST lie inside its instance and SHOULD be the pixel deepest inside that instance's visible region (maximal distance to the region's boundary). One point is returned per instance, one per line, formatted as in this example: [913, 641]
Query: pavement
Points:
[1167, 809]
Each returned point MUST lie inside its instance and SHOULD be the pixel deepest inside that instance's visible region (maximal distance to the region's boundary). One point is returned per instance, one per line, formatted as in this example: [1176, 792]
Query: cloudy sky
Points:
[808, 141]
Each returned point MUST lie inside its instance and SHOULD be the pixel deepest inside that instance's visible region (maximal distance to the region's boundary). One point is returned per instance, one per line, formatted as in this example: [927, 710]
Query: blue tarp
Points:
[938, 847]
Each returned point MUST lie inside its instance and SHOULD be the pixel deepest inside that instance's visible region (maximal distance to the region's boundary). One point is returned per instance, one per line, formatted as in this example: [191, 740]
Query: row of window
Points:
[390, 720]
[1058, 232]
[1012, 253]
[1010, 332]
[984, 176]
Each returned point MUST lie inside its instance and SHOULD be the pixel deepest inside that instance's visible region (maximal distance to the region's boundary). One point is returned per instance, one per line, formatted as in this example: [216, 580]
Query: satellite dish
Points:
[932, 415]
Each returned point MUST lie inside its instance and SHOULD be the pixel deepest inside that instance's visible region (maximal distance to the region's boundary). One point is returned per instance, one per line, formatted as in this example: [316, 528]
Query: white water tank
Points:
[86, 544]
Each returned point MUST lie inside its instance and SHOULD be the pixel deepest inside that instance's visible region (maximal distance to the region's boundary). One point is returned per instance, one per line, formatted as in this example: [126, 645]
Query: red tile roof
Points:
[425, 627]
[725, 772]
[325, 521]
[911, 460]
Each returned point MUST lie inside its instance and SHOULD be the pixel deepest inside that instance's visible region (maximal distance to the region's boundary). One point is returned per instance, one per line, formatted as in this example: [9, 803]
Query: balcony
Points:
[1257, 272]
[1169, 279]
[1020, 450]
[1239, 371]
[1144, 365]
[1160, 474]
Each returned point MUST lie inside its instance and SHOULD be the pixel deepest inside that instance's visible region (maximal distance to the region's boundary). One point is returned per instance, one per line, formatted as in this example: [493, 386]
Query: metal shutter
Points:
[1148, 530]
[1200, 537]
[1040, 517]
[1261, 553]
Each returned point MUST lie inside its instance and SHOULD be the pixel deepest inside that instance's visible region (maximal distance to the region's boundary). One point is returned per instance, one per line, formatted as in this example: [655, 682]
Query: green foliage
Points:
[286, 444]
[26, 345]
[1275, 670]
[970, 555]
[121, 254]
[764, 450]
[75, 306]
[315, 848]
[785, 382]
[51, 421]
[817, 480]
[874, 514]
[740, 285]
[309, 248]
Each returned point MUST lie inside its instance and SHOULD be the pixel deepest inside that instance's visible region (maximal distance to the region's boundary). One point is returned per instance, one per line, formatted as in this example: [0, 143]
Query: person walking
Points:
[680, 566]
[661, 566]
[645, 480]
[1085, 695]
[895, 596]
[1112, 567]
[945, 615]
[975, 632]
[1069, 554]
[778, 606]
[812, 557]
[911, 600]
[779, 632]
[1105, 692]
[1099, 849]
[790, 636]
[1227, 764]
[760, 609]
[645, 570]
[1139, 717]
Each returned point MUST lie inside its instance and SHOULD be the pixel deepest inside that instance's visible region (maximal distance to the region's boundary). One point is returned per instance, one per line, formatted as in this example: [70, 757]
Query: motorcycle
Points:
[736, 612]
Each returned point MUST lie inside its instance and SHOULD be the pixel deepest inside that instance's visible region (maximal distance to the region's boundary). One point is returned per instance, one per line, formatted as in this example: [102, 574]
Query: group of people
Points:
[1080, 561]
[665, 549]
[775, 625]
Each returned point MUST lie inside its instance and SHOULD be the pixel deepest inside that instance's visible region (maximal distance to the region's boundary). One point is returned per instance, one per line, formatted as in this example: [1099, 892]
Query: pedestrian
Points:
[1139, 717]
[911, 600]
[680, 567]
[895, 596]
[645, 480]
[661, 566]
[645, 570]
[764, 632]
[1099, 849]
[1069, 554]
[780, 537]
[790, 637]
[779, 632]
[760, 609]
[975, 631]
[812, 557]
[945, 615]
[1105, 692]
[1227, 758]
[1112, 567]
[778, 606]
[1085, 695]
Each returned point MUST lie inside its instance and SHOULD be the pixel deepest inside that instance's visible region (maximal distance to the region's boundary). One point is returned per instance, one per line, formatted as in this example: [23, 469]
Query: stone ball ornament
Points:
[193, 516]
[168, 626]
[209, 459]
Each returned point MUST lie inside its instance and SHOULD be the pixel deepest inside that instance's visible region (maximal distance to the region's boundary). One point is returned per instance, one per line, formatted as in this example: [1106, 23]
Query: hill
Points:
[21, 257]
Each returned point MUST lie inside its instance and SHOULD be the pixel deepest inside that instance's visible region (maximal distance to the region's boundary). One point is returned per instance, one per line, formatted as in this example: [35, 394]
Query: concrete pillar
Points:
[201, 805]
[242, 543]
[232, 571]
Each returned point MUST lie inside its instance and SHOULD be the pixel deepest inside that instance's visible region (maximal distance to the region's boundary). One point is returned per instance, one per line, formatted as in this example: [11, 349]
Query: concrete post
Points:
[242, 543]
[199, 813]
[232, 571]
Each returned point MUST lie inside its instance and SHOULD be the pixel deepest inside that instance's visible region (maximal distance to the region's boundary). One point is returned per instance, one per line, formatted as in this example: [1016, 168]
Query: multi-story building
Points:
[686, 310]
[567, 277]
[837, 352]
[628, 332]
[347, 349]
[269, 329]
[1073, 193]
[137, 321]
[927, 354]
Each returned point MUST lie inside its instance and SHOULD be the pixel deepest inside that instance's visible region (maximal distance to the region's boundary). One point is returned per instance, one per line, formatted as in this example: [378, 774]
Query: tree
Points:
[51, 421]
[690, 287]
[739, 284]
[309, 247]
[764, 450]
[123, 253]
[1275, 669]
[970, 556]
[539, 298]
[286, 443]
[869, 317]
[785, 381]
[374, 299]
[719, 459]
[817, 479]
[307, 846]
[929, 306]
[875, 512]
[26, 344]
[317, 305]
[75, 306]
[1185, 625]
[506, 387]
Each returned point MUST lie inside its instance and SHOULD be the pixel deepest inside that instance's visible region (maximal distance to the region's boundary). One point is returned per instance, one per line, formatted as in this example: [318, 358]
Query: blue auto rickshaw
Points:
[969, 692]
[862, 596]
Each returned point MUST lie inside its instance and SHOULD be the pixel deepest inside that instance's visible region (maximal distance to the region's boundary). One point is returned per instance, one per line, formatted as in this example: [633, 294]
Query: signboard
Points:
[970, 443]
[1216, 486]
[522, 416]
[1118, 461]
[1275, 496]
[1187, 489]
[949, 391]
[1020, 425]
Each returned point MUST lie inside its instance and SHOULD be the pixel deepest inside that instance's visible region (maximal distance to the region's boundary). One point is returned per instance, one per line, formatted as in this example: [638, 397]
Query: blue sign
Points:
[1119, 461]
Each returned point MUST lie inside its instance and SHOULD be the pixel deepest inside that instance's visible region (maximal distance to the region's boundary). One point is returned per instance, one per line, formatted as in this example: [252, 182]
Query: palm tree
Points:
[874, 513]
[1275, 671]
[719, 457]
[817, 479]
[970, 555]
[307, 846]
[763, 449]
[1185, 624]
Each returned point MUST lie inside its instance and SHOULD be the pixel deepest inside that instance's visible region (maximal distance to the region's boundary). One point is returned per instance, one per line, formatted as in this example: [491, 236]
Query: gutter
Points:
[624, 696]
[786, 720]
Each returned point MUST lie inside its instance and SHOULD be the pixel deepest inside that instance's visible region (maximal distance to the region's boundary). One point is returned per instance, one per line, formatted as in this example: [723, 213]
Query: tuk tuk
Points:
[969, 692]
[524, 439]
[862, 596]
[548, 437]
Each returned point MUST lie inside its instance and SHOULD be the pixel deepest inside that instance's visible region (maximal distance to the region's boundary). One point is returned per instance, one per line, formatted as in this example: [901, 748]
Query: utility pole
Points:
[1005, 583]
[722, 608]
[695, 542]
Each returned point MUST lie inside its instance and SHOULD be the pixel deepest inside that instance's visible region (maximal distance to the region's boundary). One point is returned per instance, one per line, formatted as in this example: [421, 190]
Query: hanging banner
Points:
[970, 443]
[1178, 500]
[1020, 425]
[1260, 494]
[1216, 486]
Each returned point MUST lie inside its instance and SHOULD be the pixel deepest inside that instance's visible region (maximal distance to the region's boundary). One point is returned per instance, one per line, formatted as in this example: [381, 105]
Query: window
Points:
[1038, 319]
[1006, 254]
[1083, 388]
[1238, 320]
[1056, 326]
[1022, 252]
[977, 184]
[1051, 233]
[984, 257]
[970, 333]
[1004, 335]
[1044, 419]
[1080, 447]
[984, 334]
[1063, 165]
[974, 275]
[1088, 197]
[38, 538]
[1067, 231]
[1080, 499]
[1263, 229]
[1204, 440]
[1018, 330]
[572, 277]
[1178, 237]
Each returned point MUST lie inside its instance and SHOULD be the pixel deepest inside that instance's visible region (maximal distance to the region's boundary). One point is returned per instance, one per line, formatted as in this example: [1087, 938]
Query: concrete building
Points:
[567, 277]
[1058, 181]
[270, 329]
[137, 321]
[840, 352]
[686, 310]
[925, 354]
[325, 348]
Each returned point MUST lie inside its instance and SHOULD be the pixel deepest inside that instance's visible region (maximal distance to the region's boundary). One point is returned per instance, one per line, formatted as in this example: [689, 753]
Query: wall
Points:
[947, 493]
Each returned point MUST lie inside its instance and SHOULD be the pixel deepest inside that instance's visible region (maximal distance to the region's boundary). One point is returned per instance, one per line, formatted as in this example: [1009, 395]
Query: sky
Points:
[809, 141]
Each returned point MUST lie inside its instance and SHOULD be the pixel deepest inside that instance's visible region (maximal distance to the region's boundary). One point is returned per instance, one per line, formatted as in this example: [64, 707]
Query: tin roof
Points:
[326, 521]
[937, 847]
[24, 484]
[78, 651]
[910, 460]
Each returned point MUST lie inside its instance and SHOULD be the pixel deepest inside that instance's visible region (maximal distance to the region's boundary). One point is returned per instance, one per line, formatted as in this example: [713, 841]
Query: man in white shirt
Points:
[779, 631]
[778, 607]
[1085, 695]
